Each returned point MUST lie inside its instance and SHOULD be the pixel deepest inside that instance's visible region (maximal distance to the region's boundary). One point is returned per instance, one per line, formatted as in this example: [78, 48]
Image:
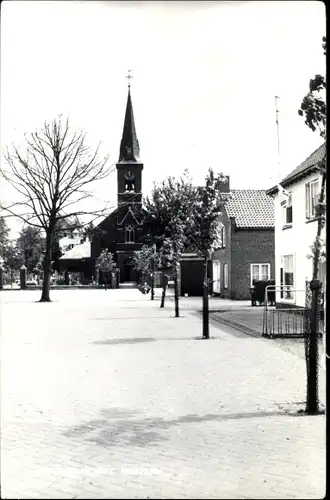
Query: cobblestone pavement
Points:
[104, 395]
[245, 319]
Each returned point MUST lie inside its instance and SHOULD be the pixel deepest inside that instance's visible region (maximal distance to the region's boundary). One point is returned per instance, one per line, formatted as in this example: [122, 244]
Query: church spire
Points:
[129, 146]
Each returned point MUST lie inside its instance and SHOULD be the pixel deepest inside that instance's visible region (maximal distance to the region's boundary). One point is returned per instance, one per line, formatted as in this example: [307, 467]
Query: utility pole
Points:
[278, 138]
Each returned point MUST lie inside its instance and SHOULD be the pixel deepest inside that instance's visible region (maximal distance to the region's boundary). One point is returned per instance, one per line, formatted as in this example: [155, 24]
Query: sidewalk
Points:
[243, 319]
[105, 395]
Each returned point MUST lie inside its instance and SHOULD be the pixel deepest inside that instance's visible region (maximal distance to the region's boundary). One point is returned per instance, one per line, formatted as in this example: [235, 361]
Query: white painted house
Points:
[295, 229]
[70, 240]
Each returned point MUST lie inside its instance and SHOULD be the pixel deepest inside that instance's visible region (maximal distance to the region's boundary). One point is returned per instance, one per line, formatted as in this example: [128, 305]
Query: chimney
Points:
[225, 188]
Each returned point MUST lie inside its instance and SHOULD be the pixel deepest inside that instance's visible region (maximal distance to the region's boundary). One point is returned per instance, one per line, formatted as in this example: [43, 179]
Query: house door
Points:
[216, 276]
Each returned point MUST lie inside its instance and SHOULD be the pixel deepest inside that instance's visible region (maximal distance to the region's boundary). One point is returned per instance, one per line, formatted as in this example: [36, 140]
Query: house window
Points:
[260, 272]
[288, 210]
[312, 191]
[225, 275]
[216, 276]
[287, 277]
[223, 230]
[129, 234]
[220, 240]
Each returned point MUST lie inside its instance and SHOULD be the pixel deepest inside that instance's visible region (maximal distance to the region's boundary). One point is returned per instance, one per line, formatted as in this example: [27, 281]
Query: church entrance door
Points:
[128, 273]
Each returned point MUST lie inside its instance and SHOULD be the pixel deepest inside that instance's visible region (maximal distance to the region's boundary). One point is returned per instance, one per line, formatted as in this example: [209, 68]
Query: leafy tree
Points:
[146, 262]
[13, 258]
[166, 262]
[313, 109]
[170, 209]
[30, 245]
[51, 176]
[4, 233]
[88, 231]
[106, 265]
[208, 207]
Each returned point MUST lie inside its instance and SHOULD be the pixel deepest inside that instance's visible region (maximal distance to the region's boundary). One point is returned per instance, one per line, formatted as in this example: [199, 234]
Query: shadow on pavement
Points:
[134, 317]
[121, 427]
[137, 340]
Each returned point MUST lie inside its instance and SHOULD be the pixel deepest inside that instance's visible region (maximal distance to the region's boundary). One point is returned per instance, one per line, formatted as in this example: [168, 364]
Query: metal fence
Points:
[288, 322]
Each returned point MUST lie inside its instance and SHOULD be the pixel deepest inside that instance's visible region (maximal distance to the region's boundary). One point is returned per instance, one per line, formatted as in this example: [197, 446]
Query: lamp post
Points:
[23, 277]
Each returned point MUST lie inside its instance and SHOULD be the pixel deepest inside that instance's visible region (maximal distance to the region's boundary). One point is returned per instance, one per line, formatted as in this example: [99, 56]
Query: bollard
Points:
[22, 276]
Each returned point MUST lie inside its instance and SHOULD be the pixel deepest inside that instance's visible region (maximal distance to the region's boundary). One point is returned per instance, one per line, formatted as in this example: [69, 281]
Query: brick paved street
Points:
[104, 395]
[246, 319]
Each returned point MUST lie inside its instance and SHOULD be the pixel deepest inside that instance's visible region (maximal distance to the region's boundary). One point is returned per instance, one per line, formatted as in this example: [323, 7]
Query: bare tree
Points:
[50, 176]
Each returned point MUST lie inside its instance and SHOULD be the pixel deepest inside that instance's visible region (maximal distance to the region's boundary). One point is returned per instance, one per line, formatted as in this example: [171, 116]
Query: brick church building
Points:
[122, 231]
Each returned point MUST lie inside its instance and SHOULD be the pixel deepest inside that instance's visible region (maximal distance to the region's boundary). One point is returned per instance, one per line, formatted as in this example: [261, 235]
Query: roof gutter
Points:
[295, 178]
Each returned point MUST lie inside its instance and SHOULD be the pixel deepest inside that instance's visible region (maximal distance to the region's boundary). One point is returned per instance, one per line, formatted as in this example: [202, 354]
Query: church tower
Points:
[129, 166]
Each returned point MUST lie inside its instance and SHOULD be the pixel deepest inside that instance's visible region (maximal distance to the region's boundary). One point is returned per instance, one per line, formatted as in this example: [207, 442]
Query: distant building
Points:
[245, 249]
[295, 229]
[69, 240]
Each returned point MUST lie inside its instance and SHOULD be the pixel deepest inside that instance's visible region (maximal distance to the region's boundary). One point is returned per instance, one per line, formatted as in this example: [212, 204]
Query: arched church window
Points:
[129, 234]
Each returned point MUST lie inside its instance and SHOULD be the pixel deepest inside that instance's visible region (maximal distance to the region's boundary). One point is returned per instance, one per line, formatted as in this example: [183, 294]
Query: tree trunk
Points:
[176, 292]
[152, 286]
[162, 303]
[312, 405]
[206, 327]
[47, 269]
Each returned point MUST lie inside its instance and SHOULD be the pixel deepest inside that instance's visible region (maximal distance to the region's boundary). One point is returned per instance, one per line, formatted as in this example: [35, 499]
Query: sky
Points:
[205, 79]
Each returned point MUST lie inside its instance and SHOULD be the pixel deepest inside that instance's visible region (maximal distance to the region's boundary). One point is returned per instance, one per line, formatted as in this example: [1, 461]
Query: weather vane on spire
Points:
[129, 77]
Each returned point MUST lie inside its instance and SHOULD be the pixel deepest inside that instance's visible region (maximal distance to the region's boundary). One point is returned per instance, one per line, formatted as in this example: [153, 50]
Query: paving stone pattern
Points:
[105, 395]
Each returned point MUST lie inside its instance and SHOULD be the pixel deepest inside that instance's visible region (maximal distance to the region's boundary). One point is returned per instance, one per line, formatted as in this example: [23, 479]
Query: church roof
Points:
[129, 146]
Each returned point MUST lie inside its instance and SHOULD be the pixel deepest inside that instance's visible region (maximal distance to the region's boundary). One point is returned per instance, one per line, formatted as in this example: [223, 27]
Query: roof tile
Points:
[251, 208]
[312, 160]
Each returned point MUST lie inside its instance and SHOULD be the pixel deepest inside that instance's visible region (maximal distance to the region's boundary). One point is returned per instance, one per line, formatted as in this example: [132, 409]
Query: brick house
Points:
[245, 249]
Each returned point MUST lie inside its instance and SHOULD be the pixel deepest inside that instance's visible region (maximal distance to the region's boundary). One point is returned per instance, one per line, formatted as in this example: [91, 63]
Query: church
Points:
[122, 231]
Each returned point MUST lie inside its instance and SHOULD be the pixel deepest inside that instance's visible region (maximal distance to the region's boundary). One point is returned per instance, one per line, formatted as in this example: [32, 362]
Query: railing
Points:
[285, 322]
